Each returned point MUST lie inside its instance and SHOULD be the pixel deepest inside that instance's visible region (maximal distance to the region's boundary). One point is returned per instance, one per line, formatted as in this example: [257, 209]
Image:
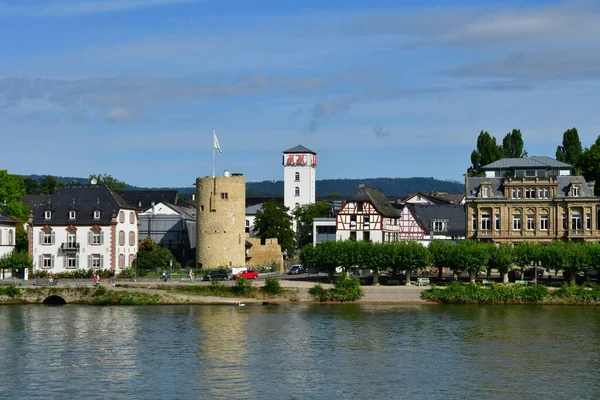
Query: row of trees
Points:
[464, 256]
[586, 161]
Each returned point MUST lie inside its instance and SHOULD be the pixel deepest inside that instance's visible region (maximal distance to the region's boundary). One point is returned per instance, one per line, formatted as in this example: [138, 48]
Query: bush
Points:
[242, 286]
[319, 293]
[10, 291]
[579, 294]
[127, 273]
[346, 288]
[457, 293]
[216, 287]
[272, 285]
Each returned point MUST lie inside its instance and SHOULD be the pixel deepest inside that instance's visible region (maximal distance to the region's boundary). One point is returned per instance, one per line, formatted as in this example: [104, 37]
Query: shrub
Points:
[216, 287]
[319, 293]
[127, 273]
[272, 285]
[100, 291]
[346, 288]
[242, 286]
[457, 293]
[10, 291]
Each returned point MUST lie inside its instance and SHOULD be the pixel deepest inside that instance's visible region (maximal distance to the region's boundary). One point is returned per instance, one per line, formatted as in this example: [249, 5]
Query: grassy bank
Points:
[459, 293]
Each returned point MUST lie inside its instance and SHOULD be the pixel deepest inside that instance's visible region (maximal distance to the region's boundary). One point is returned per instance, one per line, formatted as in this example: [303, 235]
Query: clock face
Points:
[300, 159]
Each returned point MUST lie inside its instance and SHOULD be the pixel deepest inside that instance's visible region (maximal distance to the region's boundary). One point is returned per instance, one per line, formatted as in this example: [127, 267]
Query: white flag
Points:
[216, 142]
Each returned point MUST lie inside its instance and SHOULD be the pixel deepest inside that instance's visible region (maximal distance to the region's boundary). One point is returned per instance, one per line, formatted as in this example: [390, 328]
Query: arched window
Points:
[132, 217]
[297, 177]
[122, 217]
[10, 237]
[297, 191]
[296, 206]
[121, 238]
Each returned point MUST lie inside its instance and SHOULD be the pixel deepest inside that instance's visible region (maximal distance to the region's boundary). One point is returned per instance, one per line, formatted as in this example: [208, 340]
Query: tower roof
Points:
[298, 149]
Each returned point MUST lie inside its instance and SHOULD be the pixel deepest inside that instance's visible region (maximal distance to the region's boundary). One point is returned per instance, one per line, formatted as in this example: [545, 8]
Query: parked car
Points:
[591, 275]
[250, 274]
[219, 275]
[529, 272]
[297, 269]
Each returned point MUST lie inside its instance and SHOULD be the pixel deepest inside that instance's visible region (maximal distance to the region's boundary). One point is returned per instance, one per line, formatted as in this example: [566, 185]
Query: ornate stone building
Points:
[220, 221]
[531, 199]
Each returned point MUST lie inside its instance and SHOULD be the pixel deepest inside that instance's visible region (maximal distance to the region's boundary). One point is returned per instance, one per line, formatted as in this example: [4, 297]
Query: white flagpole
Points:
[213, 147]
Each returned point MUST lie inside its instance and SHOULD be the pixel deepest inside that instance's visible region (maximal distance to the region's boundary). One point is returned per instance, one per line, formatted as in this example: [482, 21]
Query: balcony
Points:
[69, 247]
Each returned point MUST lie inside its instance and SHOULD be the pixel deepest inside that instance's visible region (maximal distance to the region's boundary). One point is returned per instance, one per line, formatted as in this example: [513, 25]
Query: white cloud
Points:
[76, 7]
[120, 114]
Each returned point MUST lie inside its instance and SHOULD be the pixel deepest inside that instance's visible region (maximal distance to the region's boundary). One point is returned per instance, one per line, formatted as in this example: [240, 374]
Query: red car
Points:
[246, 274]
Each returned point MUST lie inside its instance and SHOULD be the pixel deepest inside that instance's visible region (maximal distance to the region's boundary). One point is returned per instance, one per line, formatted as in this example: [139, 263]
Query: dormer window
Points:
[576, 191]
[72, 214]
[96, 214]
[47, 214]
[485, 192]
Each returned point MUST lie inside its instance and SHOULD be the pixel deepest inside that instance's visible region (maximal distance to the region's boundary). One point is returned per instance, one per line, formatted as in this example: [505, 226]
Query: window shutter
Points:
[65, 262]
[90, 237]
[77, 261]
[52, 261]
[101, 261]
[89, 261]
[40, 262]
[101, 237]
[52, 237]
[40, 237]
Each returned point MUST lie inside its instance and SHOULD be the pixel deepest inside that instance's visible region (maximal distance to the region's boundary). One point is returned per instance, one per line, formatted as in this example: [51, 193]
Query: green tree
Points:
[468, 256]
[305, 215]
[589, 164]
[512, 145]
[571, 150]
[272, 221]
[374, 257]
[414, 257]
[501, 259]
[16, 259]
[32, 186]
[527, 253]
[151, 256]
[112, 183]
[487, 151]
[48, 184]
[440, 251]
[12, 188]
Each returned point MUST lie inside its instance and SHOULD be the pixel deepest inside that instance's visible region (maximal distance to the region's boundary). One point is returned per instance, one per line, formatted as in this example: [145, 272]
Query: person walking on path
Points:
[111, 277]
[191, 275]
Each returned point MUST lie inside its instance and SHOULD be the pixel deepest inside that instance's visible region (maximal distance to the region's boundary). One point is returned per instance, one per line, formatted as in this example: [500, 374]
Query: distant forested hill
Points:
[391, 187]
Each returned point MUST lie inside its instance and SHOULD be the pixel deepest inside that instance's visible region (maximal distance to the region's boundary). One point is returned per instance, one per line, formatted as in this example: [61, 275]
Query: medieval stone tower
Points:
[220, 221]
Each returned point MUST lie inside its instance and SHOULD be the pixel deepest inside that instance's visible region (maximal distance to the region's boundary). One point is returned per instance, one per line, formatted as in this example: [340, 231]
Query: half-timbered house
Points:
[367, 215]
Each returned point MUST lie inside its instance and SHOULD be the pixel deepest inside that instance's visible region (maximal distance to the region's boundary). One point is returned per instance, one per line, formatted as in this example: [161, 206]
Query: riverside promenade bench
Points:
[422, 281]
[521, 282]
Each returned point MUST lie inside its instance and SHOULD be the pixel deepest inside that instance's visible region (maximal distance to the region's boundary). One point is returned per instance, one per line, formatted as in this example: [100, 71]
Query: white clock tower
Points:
[299, 176]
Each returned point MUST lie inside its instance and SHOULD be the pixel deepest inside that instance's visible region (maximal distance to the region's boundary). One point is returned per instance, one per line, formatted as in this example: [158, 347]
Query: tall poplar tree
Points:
[487, 151]
[512, 144]
[571, 150]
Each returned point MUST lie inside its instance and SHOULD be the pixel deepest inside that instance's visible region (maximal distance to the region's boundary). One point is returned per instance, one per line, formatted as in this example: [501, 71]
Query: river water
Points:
[300, 352]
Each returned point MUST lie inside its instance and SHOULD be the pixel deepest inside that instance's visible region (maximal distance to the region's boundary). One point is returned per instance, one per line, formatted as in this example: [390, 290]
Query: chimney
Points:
[5, 209]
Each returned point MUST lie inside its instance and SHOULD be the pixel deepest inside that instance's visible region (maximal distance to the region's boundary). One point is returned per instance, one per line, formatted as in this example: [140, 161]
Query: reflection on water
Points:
[300, 352]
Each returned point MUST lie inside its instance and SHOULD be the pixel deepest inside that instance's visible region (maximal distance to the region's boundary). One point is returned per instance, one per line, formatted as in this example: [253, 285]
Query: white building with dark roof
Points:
[299, 177]
[7, 232]
[83, 227]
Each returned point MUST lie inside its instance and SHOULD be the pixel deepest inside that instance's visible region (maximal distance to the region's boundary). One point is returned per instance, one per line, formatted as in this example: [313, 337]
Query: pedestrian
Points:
[164, 276]
[50, 279]
[191, 275]
[96, 279]
[111, 277]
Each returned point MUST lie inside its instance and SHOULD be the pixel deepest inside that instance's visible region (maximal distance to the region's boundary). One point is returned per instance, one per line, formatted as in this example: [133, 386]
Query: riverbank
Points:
[181, 292]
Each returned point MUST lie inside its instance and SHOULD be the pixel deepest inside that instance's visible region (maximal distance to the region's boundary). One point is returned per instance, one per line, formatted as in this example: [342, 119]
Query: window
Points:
[297, 177]
[576, 221]
[359, 207]
[72, 214]
[531, 222]
[122, 217]
[71, 261]
[96, 260]
[485, 192]
[474, 222]
[517, 193]
[96, 237]
[132, 238]
[486, 222]
[247, 226]
[296, 206]
[543, 222]
[47, 237]
[544, 193]
[121, 260]
[366, 236]
[576, 191]
[132, 217]
[47, 214]
[96, 214]
[516, 222]
[297, 191]
[438, 226]
[497, 221]
[588, 221]
[353, 235]
[224, 196]
[121, 238]
[353, 220]
[565, 223]
[10, 237]
[366, 220]
[47, 261]
[530, 193]
[71, 240]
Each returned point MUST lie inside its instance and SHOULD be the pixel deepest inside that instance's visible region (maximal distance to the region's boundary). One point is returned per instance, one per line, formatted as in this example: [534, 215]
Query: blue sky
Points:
[377, 88]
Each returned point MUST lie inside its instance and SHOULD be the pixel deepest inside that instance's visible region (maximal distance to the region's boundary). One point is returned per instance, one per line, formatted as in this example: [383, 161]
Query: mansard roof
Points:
[143, 199]
[298, 149]
[377, 199]
[541, 162]
[454, 214]
[84, 199]
[6, 220]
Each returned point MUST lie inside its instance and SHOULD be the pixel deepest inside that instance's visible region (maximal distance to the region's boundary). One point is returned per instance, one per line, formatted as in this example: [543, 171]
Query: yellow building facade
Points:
[531, 199]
